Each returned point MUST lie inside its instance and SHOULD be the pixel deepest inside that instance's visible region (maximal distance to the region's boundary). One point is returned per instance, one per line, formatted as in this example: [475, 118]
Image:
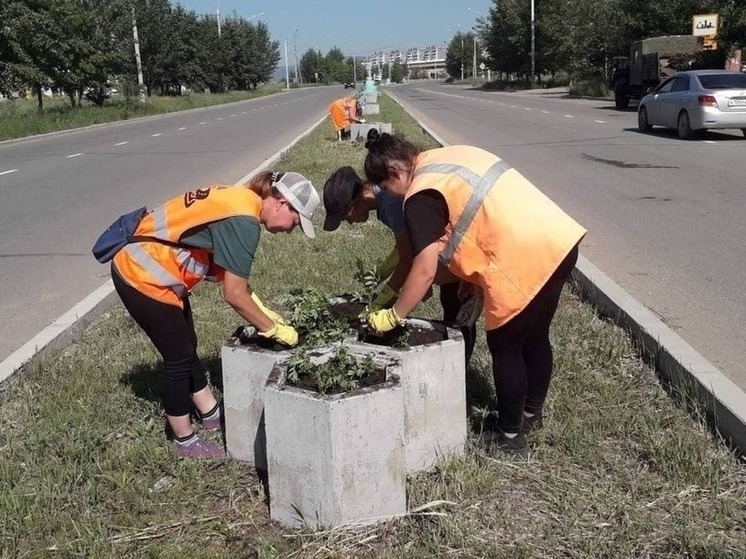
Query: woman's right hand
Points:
[283, 333]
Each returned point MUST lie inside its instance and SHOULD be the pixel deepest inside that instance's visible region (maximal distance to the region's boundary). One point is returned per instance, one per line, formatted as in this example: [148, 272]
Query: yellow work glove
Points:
[383, 299]
[384, 320]
[282, 333]
[387, 267]
[270, 313]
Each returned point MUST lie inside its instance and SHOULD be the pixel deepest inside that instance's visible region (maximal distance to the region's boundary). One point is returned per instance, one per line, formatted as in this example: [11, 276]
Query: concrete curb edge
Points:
[687, 371]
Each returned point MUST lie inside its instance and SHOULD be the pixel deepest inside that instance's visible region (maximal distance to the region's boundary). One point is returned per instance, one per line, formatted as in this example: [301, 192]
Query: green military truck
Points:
[649, 62]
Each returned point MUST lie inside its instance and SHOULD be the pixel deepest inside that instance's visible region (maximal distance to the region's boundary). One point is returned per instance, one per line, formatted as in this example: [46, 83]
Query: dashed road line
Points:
[156, 135]
[527, 108]
[203, 122]
[600, 121]
[569, 116]
[182, 128]
[546, 112]
[121, 143]
[9, 171]
[73, 155]
[234, 114]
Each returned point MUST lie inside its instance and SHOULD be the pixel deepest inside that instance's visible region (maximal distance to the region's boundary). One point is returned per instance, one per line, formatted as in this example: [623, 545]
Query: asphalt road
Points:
[666, 217]
[60, 191]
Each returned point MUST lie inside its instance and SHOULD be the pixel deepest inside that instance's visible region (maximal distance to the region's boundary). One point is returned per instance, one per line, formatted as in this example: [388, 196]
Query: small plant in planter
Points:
[343, 372]
[311, 316]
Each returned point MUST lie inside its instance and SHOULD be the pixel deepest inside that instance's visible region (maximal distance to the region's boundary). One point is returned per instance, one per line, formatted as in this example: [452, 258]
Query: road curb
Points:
[61, 332]
[686, 371]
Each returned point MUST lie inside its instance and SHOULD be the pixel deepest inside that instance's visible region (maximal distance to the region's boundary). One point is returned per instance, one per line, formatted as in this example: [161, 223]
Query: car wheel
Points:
[684, 127]
[642, 120]
[621, 101]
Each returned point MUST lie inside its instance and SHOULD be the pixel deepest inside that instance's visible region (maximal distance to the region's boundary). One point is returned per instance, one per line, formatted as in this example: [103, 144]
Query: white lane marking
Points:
[182, 128]
[155, 135]
[546, 112]
[234, 114]
[569, 116]
[243, 112]
[600, 121]
[203, 122]
[121, 143]
[526, 108]
[9, 171]
[708, 141]
[512, 106]
[73, 155]
[219, 118]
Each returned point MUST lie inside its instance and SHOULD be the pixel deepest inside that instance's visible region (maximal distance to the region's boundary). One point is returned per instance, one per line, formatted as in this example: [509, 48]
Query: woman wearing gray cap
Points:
[212, 234]
[348, 198]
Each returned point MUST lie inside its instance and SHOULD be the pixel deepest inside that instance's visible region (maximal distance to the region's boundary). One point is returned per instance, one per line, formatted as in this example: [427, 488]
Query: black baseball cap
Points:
[339, 190]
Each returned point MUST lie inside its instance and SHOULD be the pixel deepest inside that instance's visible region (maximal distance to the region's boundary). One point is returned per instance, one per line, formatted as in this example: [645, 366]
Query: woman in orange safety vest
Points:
[471, 212]
[343, 112]
[212, 234]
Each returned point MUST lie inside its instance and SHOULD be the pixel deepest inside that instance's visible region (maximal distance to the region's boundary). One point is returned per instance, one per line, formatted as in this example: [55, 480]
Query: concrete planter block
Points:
[434, 382]
[335, 459]
[369, 98]
[360, 131]
[371, 109]
[246, 368]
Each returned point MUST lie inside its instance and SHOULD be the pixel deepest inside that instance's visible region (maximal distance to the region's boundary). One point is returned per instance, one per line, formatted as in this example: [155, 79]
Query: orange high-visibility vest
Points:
[340, 110]
[503, 234]
[168, 273]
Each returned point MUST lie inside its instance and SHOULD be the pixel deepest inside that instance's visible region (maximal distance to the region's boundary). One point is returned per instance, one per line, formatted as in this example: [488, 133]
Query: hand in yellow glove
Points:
[387, 267]
[282, 333]
[382, 300]
[270, 313]
[384, 320]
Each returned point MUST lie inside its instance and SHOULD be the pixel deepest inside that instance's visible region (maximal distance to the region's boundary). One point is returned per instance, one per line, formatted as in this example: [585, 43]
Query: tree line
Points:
[579, 37]
[79, 47]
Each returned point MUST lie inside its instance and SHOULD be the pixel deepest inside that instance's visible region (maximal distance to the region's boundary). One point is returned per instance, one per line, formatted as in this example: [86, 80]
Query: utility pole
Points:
[533, 42]
[287, 71]
[474, 63]
[138, 61]
[217, 14]
[295, 51]
[462, 56]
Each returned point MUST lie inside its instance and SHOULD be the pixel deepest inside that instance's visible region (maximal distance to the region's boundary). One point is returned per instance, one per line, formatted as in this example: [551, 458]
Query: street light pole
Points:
[533, 42]
[217, 14]
[474, 63]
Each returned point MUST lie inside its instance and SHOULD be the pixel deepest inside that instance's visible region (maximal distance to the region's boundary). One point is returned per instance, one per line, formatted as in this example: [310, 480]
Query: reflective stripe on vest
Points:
[160, 229]
[153, 267]
[480, 187]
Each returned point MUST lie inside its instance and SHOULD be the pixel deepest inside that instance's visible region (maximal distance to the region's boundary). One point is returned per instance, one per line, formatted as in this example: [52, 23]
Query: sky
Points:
[358, 27]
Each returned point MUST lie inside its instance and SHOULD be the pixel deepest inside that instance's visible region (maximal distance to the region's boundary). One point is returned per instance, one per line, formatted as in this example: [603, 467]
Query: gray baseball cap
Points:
[302, 196]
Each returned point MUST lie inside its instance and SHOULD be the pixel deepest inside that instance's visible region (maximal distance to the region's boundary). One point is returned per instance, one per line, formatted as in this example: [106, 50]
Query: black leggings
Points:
[522, 358]
[171, 330]
[451, 306]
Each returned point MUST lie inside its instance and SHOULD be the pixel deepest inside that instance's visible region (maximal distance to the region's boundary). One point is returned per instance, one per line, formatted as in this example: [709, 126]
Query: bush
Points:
[590, 86]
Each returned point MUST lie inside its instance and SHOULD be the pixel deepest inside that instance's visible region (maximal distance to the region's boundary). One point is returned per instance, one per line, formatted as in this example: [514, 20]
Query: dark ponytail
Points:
[383, 149]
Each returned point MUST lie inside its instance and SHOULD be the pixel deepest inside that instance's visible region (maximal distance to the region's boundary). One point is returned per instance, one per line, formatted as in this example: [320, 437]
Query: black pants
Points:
[522, 359]
[171, 330]
[451, 306]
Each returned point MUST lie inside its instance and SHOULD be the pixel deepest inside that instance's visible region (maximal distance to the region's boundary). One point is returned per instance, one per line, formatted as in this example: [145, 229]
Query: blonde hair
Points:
[263, 184]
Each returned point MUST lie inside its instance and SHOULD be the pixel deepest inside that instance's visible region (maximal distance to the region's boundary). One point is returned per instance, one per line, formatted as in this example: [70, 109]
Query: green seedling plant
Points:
[343, 372]
[311, 316]
[369, 283]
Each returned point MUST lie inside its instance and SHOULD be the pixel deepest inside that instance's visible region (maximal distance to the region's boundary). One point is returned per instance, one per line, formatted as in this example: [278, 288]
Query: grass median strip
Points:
[620, 469]
[21, 117]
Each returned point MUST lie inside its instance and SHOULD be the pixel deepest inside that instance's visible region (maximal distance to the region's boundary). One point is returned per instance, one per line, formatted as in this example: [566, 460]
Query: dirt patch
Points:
[409, 335]
[349, 311]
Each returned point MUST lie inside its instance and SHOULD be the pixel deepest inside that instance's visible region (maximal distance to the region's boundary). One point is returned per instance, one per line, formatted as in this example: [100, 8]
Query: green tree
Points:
[459, 55]
[398, 72]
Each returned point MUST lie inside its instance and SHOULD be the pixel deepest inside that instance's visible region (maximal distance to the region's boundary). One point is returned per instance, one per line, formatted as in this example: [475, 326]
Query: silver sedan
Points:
[696, 100]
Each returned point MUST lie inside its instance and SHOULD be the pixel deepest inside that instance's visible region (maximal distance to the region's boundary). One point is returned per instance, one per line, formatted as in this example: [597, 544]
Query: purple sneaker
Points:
[200, 448]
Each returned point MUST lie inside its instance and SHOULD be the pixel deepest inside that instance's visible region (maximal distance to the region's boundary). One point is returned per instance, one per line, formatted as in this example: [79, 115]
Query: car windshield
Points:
[723, 81]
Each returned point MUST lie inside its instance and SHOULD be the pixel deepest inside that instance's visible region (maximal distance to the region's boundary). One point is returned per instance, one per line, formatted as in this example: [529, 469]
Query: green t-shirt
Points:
[233, 242]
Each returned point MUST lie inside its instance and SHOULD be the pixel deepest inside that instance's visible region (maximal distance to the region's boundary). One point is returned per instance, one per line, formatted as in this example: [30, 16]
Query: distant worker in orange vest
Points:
[211, 234]
[344, 112]
[469, 211]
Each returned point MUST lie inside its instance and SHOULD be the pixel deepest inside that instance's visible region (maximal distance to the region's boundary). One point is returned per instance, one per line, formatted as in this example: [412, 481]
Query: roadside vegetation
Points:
[620, 469]
[20, 117]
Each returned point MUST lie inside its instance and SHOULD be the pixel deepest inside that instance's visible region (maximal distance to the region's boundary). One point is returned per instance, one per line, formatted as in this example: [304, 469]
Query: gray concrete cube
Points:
[371, 109]
[369, 98]
[246, 369]
[335, 459]
[433, 378]
[359, 132]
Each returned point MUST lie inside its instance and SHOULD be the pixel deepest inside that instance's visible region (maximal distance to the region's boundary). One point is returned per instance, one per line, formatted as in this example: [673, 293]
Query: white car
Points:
[696, 100]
